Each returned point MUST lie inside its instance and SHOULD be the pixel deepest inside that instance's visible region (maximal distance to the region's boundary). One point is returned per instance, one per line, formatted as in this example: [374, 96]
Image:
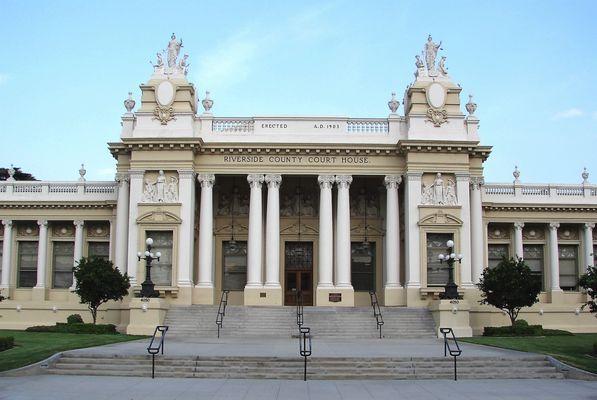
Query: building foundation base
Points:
[334, 296]
[145, 315]
[453, 314]
[394, 296]
[263, 296]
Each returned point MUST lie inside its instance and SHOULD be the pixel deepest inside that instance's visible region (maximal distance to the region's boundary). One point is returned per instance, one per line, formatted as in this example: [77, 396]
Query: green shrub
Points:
[6, 342]
[522, 328]
[41, 328]
[99, 329]
[556, 332]
[74, 319]
[595, 348]
[521, 323]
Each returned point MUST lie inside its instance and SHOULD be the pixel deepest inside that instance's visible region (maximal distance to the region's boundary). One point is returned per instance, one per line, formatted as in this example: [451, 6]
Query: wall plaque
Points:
[335, 297]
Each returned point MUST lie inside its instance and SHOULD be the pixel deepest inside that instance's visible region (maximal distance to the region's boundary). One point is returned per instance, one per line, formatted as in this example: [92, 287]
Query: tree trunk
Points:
[93, 313]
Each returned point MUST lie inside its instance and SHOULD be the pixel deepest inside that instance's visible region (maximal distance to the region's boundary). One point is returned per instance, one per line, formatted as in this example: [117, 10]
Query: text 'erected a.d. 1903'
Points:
[283, 159]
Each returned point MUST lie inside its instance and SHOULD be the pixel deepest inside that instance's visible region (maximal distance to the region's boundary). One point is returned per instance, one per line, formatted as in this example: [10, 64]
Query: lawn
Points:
[574, 350]
[31, 347]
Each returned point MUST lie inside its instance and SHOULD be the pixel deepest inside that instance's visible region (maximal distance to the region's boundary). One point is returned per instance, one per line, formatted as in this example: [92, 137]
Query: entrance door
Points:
[298, 272]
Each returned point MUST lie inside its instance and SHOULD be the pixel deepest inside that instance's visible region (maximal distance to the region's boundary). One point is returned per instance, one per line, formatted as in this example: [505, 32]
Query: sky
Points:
[67, 66]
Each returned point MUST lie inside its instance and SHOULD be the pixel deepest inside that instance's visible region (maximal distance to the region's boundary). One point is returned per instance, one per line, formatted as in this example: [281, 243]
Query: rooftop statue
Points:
[173, 50]
[431, 49]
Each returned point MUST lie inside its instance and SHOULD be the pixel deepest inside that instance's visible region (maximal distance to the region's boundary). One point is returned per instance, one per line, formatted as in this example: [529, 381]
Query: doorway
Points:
[298, 272]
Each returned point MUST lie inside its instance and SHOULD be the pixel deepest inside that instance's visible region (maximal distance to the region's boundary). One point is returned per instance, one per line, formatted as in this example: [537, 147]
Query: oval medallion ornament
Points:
[165, 93]
[436, 95]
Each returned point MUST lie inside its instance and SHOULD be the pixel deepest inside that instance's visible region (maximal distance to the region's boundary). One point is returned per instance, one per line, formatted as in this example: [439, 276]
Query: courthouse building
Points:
[262, 206]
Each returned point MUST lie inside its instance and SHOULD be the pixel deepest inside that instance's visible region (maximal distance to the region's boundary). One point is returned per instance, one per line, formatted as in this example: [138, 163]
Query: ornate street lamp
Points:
[147, 287]
[451, 289]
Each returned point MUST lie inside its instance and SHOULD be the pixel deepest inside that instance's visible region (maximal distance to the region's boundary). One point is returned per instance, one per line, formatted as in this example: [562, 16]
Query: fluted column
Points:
[392, 246]
[206, 222]
[272, 231]
[6, 255]
[326, 232]
[122, 221]
[135, 197]
[42, 254]
[411, 227]
[254, 259]
[588, 238]
[186, 244]
[518, 249]
[78, 251]
[478, 237]
[554, 257]
[343, 232]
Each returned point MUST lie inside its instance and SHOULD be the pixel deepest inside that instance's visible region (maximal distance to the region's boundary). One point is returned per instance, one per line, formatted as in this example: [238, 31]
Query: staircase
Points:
[531, 367]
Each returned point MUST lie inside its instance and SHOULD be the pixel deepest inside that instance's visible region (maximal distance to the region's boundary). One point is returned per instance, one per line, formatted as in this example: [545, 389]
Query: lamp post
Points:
[451, 289]
[147, 287]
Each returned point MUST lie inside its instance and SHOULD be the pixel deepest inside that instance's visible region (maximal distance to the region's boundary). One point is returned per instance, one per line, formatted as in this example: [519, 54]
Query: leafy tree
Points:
[588, 282]
[509, 286]
[19, 175]
[98, 282]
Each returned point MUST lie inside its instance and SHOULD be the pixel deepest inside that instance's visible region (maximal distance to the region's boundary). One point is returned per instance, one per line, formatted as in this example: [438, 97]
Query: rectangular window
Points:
[161, 271]
[62, 264]
[27, 264]
[568, 255]
[99, 250]
[533, 257]
[362, 260]
[235, 265]
[437, 273]
[496, 253]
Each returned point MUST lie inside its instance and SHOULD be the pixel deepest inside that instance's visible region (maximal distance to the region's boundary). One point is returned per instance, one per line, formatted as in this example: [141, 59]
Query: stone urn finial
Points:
[516, 174]
[585, 176]
[129, 103]
[207, 102]
[11, 174]
[471, 106]
[393, 104]
[82, 172]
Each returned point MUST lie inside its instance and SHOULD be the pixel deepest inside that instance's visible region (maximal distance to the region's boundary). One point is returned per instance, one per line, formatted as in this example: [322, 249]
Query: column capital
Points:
[554, 225]
[78, 223]
[42, 223]
[343, 181]
[7, 223]
[392, 181]
[273, 180]
[410, 175]
[589, 225]
[476, 182]
[122, 177]
[255, 180]
[326, 181]
[518, 225]
[136, 173]
[462, 176]
[206, 180]
[186, 173]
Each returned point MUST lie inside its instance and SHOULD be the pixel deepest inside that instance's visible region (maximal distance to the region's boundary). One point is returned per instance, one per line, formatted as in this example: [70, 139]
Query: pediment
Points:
[159, 217]
[440, 218]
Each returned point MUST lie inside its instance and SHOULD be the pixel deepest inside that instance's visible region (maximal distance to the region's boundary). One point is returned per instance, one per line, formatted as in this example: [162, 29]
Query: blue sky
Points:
[66, 67]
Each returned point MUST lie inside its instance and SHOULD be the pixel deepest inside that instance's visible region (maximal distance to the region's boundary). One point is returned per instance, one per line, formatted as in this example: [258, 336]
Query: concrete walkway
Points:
[115, 388]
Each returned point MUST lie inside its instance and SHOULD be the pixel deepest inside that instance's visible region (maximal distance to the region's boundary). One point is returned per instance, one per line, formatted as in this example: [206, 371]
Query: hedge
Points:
[522, 328]
[6, 342]
[99, 329]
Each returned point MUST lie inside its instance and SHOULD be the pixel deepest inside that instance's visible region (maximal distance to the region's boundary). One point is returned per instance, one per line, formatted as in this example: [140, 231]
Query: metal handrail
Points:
[222, 310]
[376, 311]
[153, 350]
[305, 349]
[448, 349]
[299, 309]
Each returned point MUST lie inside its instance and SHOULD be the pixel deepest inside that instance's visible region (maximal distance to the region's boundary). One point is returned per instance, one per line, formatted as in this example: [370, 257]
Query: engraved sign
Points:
[285, 160]
[335, 297]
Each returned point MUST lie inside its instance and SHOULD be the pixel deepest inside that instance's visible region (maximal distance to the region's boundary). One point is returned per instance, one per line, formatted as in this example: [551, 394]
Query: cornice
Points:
[11, 205]
[456, 147]
[540, 208]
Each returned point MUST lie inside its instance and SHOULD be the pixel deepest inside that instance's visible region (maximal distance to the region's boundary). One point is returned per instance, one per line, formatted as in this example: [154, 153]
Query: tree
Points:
[588, 282]
[98, 282]
[18, 175]
[509, 286]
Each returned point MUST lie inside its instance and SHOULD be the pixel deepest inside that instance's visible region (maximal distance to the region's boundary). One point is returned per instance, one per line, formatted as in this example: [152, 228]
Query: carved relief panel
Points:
[233, 197]
[160, 187]
[568, 232]
[99, 229]
[299, 196]
[63, 229]
[499, 231]
[438, 189]
[533, 232]
[27, 229]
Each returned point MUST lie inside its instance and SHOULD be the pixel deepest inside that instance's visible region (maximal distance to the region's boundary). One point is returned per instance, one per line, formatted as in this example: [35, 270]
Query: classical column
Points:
[186, 244]
[392, 246]
[326, 232]
[136, 195]
[206, 228]
[518, 249]
[78, 252]
[478, 237]
[554, 257]
[411, 227]
[272, 231]
[42, 254]
[122, 221]
[588, 236]
[254, 261]
[6, 255]
[463, 192]
[343, 232]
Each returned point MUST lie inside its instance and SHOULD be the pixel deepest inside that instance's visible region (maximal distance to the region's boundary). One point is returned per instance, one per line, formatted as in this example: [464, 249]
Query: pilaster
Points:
[186, 245]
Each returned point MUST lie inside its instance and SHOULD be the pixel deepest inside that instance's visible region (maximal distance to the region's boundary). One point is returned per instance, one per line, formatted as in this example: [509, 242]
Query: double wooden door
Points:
[298, 272]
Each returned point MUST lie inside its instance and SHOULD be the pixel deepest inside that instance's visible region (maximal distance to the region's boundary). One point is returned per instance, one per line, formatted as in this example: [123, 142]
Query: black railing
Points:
[376, 311]
[154, 349]
[305, 346]
[222, 310]
[299, 309]
[448, 348]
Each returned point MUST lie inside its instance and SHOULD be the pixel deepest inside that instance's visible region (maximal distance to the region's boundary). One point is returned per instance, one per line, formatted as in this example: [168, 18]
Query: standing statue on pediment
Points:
[172, 190]
[159, 62]
[160, 186]
[442, 66]
[450, 199]
[438, 190]
[183, 65]
[173, 51]
[418, 62]
[427, 194]
[431, 49]
[149, 194]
